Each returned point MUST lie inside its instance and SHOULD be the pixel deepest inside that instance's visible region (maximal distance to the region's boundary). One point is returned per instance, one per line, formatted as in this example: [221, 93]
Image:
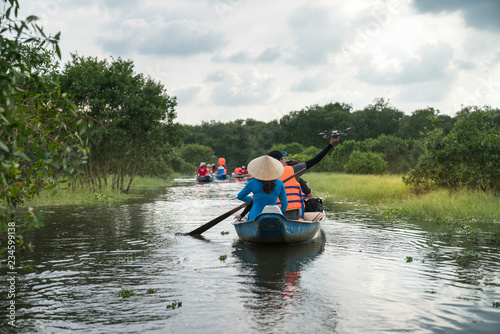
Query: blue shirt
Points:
[260, 198]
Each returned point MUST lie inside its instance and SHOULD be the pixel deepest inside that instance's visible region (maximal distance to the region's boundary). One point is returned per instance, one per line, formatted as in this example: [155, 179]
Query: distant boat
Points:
[206, 178]
[221, 176]
[271, 227]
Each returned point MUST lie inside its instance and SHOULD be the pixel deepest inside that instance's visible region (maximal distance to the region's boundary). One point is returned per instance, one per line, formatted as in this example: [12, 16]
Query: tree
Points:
[469, 156]
[40, 142]
[374, 120]
[131, 118]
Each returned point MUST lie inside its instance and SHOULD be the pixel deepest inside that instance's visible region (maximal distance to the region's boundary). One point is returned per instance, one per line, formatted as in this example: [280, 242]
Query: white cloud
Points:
[229, 59]
[246, 88]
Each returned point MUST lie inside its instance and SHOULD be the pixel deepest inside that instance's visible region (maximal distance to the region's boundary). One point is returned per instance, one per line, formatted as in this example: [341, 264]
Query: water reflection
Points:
[274, 273]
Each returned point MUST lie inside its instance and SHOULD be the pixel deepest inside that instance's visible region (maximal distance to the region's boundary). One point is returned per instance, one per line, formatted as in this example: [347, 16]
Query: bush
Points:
[365, 163]
[467, 157]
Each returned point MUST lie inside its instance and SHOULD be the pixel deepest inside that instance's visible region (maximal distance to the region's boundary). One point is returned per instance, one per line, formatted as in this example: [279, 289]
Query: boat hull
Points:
[273, 228]
[206, 178]
[222, 176]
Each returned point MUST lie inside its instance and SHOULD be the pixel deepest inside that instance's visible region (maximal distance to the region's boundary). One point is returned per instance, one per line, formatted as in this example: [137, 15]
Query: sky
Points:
[236, 59]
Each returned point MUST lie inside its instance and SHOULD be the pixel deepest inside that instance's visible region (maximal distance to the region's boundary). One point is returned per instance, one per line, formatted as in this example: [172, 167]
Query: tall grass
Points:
[389, 192]
[62, 195]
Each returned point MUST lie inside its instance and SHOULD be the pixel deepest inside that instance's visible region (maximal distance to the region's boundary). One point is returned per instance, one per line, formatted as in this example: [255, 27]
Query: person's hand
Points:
[238, 216]
[334, 140]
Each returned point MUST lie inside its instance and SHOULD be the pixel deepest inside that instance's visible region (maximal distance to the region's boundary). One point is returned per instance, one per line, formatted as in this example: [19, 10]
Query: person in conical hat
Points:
[265, 185]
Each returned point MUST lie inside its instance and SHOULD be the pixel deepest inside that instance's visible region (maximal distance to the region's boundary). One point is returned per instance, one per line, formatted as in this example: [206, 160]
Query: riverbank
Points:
[62, 195]
[387, 193]
[390, 194]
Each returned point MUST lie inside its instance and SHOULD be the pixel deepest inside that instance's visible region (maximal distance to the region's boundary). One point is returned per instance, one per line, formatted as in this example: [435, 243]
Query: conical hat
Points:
[265, 168]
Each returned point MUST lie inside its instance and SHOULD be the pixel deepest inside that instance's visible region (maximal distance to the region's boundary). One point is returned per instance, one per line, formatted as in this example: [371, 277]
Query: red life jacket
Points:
[293, 191]
[202, 171]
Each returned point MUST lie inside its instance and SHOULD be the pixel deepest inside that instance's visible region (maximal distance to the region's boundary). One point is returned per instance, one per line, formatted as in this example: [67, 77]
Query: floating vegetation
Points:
[496, 304]
[125, 293]
[395, 213]
[223, 257]
[174, 305]
[224, 232]
[409, 259]
[102, 199]
[129, 258]
[431, 291]
[151, 290]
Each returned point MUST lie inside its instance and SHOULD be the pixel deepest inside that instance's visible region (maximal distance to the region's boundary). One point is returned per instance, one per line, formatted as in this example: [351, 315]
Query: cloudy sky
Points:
[230, 59]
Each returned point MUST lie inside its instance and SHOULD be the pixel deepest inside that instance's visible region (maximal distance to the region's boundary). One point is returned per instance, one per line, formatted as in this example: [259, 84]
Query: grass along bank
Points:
[388, 192]
[62, 195]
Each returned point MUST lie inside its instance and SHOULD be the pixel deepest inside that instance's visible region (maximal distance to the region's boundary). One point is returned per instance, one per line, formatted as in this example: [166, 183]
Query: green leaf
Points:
[4, 147]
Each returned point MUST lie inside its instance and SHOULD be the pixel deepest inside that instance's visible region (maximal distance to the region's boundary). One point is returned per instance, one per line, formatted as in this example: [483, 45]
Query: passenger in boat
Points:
[222, 161]
[221, 170]
[243, 170]
[237, 170]
[213, 169]
[265, 186]
[295, 209]
[202, 170]
[304, 185]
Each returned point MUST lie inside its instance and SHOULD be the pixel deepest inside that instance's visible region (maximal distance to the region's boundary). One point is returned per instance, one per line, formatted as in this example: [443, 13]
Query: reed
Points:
[389, 192]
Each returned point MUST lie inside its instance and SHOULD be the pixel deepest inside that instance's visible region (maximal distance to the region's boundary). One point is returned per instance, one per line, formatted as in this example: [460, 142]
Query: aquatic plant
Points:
[174, 305]
[124, 293]
[496, 304]
[98, 198]
[223, 257]
[409, 259]
[151, 290]
[129, 258]
[224, 232]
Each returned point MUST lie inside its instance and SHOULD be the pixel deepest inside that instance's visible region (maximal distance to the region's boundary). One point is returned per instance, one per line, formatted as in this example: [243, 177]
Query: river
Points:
[127, 268]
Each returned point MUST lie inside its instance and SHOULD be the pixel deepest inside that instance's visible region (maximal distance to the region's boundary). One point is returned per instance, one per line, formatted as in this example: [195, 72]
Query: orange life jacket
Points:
[237, 171]
[293, 191]
[222, 161]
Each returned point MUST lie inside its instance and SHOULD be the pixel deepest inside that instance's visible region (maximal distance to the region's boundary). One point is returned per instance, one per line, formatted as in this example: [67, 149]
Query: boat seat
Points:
[272, 209]
[313, 216]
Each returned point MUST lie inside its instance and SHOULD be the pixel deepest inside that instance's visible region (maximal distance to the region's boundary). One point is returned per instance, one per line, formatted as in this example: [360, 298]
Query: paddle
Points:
[217, 220]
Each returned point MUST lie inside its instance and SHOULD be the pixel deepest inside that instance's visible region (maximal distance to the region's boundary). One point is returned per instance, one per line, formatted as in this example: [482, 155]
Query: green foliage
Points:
[40, 142]
[365, 163]
[130, 118]
[193, 154]
[469, 156]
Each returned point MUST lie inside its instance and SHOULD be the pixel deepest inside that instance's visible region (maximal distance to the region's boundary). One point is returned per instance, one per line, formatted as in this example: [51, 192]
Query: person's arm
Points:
[304, 185]
[282, 195]
[243, 194]
[322, 154]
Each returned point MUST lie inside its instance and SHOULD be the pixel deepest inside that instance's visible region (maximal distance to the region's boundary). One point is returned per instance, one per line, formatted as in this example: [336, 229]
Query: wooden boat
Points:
[271, 227]
[206, 178]
[239, 176]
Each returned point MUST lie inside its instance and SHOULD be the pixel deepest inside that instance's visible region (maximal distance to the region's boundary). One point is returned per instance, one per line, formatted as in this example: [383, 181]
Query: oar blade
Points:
[215, 221]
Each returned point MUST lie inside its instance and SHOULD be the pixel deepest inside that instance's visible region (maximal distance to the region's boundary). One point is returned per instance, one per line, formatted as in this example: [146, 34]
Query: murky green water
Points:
[355, 278]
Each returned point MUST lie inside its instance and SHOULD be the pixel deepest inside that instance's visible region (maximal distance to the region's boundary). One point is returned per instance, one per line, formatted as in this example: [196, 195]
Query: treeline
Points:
[378, 128]
[432, 149]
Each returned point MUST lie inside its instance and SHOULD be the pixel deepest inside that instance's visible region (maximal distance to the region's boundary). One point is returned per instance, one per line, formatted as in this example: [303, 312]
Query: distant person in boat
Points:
[221, 170]
[222, 161]
[265, 185]
[243, 170]
[237, 170]
[295, 209]
[202, 170]
[213, 169]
